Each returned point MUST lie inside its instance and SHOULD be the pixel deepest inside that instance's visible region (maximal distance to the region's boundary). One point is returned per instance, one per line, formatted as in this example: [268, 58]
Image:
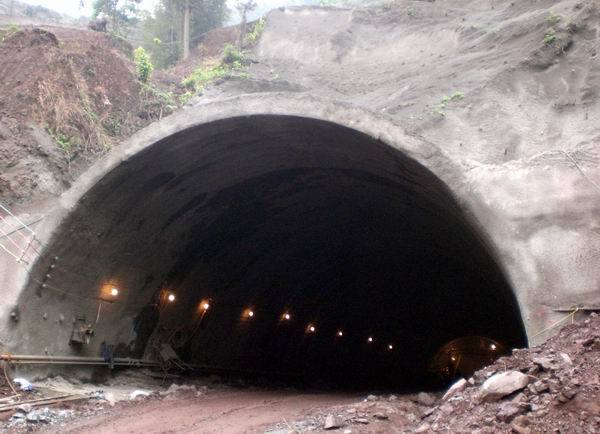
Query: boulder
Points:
[426, 399]
[457, 387]
[331, 422]
[500, 385]
[508, 411]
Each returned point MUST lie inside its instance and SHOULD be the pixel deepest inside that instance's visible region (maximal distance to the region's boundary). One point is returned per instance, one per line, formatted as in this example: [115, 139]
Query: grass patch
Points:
[440, 109]
[550, 37]
[232, 61]
[63, 141]
[8, 32]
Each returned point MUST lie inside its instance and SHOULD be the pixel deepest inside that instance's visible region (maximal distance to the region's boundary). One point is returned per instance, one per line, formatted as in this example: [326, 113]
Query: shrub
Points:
[550, 37]
[232, 56]
[253, 36]
[197, 79]
[553, 18]
[440, 109]
[143, 64]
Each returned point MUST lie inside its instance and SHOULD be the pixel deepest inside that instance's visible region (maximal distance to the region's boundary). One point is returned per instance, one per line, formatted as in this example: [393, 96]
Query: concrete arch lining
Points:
[248, 181]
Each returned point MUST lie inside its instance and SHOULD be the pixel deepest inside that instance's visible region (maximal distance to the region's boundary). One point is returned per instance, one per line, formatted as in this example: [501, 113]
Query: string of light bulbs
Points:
[249, 313]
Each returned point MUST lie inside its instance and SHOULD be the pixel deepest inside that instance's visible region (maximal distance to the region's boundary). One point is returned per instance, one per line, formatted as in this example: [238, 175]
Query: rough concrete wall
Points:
[282, 104]
[525, 133]
[530, 225]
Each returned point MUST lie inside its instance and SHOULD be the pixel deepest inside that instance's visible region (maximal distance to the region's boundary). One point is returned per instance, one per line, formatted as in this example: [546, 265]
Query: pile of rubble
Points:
[555, 386]
[46, 415]
[373, 414]
[59, 402]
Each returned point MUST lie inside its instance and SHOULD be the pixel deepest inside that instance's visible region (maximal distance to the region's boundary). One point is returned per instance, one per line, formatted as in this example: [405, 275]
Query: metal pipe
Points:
[74, 360]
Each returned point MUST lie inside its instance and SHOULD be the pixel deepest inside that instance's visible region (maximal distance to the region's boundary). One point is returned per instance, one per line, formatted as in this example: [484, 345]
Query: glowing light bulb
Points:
[205, 306]
[493, 347]
[114, 292]
[171, 298]
[311, 328]
[250, 313]
[453, 358]
[390, 347]
[340, 333]
[370, 339]
[287, 316]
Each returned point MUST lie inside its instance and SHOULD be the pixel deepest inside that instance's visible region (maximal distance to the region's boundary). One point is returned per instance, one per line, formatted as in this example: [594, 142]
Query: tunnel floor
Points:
[280, 245]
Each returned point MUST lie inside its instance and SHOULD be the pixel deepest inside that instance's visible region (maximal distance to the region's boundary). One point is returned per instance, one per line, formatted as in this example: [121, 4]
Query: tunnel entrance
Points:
[275, 244]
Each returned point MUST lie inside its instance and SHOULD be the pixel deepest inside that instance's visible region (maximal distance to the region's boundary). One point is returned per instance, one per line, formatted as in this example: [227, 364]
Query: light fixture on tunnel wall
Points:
[390, 347]
[110, 292]
[340, 333]
[311, 328]
[205, 305]
[370, 339]
[286, 316]
[171, 297]
[493, 347]
[248, 313]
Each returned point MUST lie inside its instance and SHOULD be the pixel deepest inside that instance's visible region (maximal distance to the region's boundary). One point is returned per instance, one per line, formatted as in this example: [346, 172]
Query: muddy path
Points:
[230, 411]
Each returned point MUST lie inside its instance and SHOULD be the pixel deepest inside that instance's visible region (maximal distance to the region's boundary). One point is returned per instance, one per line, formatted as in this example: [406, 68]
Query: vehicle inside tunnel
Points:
[279, 245]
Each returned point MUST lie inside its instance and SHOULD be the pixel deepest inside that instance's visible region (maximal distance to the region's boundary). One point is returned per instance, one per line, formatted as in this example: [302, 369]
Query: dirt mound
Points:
[75, 88]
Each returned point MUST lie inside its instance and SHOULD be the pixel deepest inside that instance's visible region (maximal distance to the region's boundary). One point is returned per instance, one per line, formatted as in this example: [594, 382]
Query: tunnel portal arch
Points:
[272, 205]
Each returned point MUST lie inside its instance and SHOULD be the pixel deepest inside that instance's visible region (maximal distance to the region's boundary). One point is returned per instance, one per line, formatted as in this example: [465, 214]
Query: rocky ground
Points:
[554, 387]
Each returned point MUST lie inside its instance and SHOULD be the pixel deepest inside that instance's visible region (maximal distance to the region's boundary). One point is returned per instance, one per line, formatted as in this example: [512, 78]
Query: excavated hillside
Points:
[498, 85]
[66, 97]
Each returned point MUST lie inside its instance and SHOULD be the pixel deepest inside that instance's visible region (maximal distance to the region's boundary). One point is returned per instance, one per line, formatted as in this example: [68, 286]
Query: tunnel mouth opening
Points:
[276, 246]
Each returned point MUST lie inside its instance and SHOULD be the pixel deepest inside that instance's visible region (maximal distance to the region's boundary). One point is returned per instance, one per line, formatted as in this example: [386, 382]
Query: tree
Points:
[120, 13]
[244, 7]
[163, 31]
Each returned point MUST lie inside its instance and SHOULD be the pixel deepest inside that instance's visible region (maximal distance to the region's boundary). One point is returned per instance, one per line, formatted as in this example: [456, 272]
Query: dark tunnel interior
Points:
[274, 234]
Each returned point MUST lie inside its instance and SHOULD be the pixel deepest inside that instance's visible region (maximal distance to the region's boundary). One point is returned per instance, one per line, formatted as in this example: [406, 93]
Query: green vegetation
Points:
[143, 65]
[162, 31]
[232, 56]
[121, 14]
[157, 102]
[440, 109]
[203, 75]
[553, 18]
[185, 97]
[550, 37]
[63, 141]
[254, 35]
[231, 61]
[8, 32]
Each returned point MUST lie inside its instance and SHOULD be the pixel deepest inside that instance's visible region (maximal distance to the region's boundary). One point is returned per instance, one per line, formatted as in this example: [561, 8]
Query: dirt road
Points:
[230, 411]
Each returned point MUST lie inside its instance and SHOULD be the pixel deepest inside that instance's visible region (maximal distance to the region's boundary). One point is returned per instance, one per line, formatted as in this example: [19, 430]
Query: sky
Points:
[71, 7]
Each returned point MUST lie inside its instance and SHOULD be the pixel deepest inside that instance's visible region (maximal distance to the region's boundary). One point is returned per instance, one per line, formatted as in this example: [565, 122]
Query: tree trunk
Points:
[186, 30]
[11, 11]
[242, 29]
